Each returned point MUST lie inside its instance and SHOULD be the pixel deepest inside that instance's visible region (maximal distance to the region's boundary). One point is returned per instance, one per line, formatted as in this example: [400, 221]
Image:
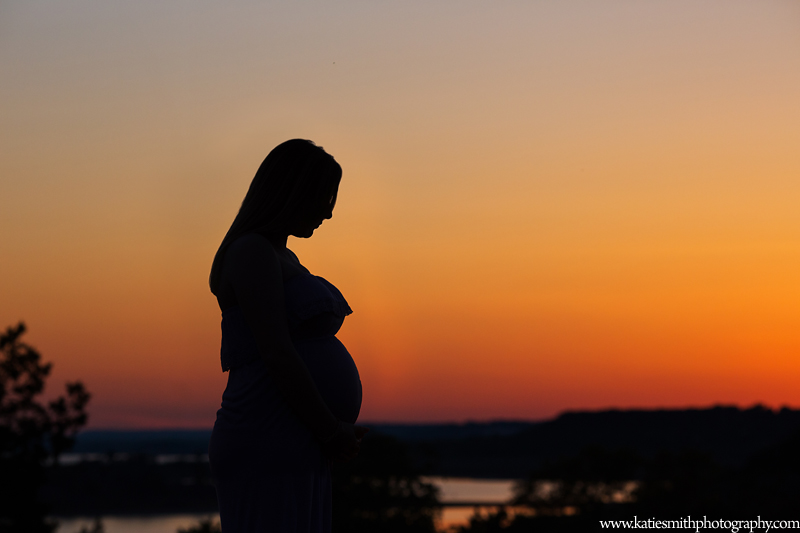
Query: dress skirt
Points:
[265, 487]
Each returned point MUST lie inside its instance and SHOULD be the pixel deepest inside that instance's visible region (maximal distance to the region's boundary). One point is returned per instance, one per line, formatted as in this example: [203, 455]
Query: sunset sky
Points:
[546, 205]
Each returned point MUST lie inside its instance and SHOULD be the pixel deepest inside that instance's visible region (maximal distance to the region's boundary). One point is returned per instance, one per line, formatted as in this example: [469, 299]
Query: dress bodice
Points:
[314, 308]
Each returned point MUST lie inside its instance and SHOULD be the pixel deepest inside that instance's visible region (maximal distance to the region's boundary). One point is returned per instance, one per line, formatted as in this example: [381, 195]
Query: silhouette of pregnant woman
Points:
[293, 392]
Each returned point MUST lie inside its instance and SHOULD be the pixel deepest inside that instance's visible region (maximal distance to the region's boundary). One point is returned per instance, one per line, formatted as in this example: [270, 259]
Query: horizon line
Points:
[468, 421]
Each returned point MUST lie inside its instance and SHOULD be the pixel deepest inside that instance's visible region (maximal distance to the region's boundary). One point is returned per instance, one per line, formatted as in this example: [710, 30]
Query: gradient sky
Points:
[546, 205]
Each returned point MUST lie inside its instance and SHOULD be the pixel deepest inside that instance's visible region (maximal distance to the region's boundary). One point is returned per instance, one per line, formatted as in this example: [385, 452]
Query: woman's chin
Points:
[305, 234]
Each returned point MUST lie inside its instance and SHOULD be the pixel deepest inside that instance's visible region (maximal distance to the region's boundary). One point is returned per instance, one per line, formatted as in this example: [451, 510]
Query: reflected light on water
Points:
[454, 494]
[134, 524]
[462, 497]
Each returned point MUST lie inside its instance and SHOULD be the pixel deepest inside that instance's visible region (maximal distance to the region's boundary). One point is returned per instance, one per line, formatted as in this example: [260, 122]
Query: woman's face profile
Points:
[314, 214]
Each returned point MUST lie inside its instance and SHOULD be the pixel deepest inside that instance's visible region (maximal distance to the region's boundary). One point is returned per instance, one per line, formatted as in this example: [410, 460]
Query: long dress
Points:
[268, 470]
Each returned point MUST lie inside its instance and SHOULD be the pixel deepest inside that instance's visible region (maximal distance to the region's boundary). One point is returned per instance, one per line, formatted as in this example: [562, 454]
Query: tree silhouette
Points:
[32, 434]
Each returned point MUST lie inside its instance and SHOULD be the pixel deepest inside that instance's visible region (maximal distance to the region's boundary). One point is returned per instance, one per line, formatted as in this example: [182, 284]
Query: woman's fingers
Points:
[346, 442]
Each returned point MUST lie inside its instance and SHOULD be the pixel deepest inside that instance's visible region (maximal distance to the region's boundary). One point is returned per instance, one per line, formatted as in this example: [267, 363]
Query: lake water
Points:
[453, 491]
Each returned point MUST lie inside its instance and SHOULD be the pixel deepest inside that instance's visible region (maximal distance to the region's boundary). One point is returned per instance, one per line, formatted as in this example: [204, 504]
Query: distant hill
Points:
[434, 432]
[147, 442]
[729, 435]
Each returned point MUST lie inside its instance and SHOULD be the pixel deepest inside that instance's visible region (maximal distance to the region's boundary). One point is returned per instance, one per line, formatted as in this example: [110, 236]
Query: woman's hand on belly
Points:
[345, 443]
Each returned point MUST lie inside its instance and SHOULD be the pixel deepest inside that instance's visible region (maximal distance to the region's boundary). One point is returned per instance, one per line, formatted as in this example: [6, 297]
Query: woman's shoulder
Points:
[249, 255]
[250, 262]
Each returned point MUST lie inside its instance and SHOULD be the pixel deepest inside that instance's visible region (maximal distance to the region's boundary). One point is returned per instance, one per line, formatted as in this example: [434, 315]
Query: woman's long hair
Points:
[294, 173]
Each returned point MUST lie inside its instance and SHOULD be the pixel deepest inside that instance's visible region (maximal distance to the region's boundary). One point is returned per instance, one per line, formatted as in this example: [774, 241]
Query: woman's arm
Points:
[253, 270]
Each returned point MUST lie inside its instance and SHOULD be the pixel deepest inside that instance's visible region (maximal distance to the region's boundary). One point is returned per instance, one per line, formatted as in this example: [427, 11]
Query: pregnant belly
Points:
[335, 374]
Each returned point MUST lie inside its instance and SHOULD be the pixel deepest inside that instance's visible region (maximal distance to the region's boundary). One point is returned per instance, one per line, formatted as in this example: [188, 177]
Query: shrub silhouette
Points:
[31, 433]
[380, 490]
